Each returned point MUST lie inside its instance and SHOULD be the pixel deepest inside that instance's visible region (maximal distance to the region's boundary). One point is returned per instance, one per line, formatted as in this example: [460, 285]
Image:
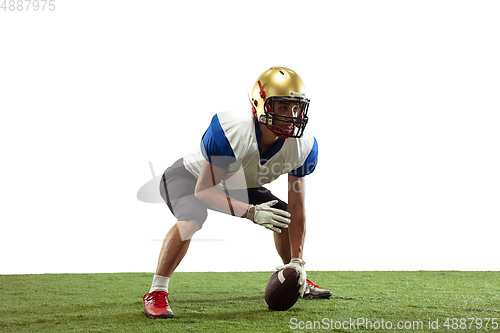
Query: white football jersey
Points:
[231, 142]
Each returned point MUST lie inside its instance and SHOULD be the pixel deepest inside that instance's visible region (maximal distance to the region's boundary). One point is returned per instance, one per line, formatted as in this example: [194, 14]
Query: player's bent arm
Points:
[296, 207]
[207, 192]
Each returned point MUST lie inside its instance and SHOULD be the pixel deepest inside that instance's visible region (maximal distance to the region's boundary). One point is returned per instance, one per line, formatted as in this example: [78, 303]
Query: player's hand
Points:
[298, 264]
[270, 218]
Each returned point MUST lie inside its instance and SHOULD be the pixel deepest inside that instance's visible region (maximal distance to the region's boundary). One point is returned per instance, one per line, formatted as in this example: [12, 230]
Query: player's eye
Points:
[281, 108]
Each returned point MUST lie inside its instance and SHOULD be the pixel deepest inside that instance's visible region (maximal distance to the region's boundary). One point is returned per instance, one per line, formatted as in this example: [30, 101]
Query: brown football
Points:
[282, 290]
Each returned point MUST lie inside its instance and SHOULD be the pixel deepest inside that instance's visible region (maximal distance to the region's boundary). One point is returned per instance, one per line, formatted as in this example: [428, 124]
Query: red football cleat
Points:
[313, 291]
[156, 305]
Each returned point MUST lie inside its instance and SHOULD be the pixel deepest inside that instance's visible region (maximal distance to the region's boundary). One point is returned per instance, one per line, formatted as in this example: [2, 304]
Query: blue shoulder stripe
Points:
[309, 164]
[215, 146]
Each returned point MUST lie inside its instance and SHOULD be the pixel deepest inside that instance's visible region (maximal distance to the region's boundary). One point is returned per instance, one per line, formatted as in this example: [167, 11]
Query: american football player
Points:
[238, 154]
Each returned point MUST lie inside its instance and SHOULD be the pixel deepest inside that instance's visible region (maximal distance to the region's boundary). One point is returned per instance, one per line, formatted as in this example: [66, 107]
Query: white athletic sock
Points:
[160, 283]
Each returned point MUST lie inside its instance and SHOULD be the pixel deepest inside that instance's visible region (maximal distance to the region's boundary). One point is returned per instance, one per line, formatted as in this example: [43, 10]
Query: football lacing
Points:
[159, 298]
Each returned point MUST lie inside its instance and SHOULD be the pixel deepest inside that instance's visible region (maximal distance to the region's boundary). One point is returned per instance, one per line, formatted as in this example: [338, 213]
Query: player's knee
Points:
[187, 228]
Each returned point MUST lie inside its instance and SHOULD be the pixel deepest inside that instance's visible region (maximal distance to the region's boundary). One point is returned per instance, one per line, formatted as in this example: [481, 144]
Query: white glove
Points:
[298, 264]
[270, 218]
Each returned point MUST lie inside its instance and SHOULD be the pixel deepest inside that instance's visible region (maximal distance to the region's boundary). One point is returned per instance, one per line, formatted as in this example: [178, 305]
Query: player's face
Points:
[287, 109]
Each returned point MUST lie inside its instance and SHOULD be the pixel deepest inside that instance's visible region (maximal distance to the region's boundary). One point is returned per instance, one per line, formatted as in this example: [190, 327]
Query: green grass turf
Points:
[234, 302]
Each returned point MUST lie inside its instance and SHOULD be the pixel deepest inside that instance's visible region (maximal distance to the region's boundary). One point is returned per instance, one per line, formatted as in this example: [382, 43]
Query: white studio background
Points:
[405, 107]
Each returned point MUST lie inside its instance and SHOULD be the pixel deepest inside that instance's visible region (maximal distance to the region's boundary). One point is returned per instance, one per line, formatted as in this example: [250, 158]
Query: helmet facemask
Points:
[273, 116]
[274, 88]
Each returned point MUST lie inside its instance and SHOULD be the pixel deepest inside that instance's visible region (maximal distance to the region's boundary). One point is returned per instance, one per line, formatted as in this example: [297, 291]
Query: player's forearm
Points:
[217, 199]
[297, 232]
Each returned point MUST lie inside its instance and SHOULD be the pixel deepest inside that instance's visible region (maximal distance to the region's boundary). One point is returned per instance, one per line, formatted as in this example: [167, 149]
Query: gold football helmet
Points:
[280, 86]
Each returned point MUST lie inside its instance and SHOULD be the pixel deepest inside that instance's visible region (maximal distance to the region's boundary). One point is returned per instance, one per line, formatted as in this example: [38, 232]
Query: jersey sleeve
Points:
[309, 164]
[215, 146]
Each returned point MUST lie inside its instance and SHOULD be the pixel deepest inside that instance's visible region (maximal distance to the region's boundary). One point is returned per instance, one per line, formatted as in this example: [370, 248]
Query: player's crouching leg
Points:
[175, 246]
